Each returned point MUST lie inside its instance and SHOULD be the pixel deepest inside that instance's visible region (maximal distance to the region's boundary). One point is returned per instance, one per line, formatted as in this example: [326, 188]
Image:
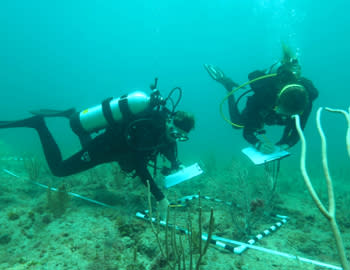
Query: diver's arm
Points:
[170, 152]
[249, 134]
[290, 134]
[290, 137]
[252, 121]
[144, 174]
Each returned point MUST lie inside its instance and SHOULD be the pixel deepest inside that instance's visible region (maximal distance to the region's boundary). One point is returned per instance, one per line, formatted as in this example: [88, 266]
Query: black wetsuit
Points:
[132, 145]
[260, 106]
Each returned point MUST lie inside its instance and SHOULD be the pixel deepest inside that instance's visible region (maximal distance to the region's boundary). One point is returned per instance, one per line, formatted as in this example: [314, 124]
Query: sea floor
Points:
[54, 230]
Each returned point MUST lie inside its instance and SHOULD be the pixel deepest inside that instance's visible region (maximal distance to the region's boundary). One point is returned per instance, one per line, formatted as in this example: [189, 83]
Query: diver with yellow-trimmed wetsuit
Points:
[277, 93]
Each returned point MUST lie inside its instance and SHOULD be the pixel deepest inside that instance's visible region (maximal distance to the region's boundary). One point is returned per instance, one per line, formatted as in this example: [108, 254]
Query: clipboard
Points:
[259, 158]
[182, 175]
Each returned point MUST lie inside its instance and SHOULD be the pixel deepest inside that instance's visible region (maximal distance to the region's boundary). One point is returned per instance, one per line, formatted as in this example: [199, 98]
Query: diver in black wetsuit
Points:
[275, 99]
[137, 128]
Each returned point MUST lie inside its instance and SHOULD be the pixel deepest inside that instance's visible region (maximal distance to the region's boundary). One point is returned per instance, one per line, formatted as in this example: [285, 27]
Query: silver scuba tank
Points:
[110, 111]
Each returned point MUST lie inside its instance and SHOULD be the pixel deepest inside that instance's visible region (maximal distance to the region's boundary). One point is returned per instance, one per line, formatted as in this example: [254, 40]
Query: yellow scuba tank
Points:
[110, 111]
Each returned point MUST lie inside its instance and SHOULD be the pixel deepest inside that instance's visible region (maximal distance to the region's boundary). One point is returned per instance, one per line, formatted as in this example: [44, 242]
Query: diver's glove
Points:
[165, 171]
[177, 166]
[163, 208]
[174, 167]
[283, 146]
[265, 147]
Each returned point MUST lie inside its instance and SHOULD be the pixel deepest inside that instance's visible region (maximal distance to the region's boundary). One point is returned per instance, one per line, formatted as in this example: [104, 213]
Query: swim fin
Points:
[214, 72]
[218, 75]
[54, 113]
[31, 122]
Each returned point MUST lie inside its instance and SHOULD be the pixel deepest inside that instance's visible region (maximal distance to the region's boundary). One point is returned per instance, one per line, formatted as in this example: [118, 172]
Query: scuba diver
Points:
[278, 93]
[132, 130]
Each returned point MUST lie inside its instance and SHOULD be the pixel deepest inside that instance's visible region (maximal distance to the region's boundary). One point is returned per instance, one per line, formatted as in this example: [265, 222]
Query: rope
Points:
[13, 158]
[55, 189]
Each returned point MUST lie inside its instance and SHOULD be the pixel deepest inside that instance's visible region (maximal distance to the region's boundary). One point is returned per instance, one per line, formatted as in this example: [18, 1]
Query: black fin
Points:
[218, 75]
[31, 122]
[214, 72]
[54, 113]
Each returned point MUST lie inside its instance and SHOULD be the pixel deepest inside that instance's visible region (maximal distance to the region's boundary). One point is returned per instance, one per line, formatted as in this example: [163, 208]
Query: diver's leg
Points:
[75, 125]
[84, 138]
[218, 75]
[85, 159]
[52, 152]
[235, 115]
[81, 161]
[93, 154]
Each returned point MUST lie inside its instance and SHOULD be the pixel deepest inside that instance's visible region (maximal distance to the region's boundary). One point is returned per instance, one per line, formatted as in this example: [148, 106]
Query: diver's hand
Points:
[163, 208]
[181, 167]
[178, 166]
[283, 146]
[265, 147]
[165, 171]
[174, 168]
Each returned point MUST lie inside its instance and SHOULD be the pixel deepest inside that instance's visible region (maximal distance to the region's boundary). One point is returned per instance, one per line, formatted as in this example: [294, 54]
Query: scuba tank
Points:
[113, 110]
[124, 108]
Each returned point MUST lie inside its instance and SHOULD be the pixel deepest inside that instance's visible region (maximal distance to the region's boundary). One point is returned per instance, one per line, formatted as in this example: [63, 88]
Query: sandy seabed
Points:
[52, 230]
